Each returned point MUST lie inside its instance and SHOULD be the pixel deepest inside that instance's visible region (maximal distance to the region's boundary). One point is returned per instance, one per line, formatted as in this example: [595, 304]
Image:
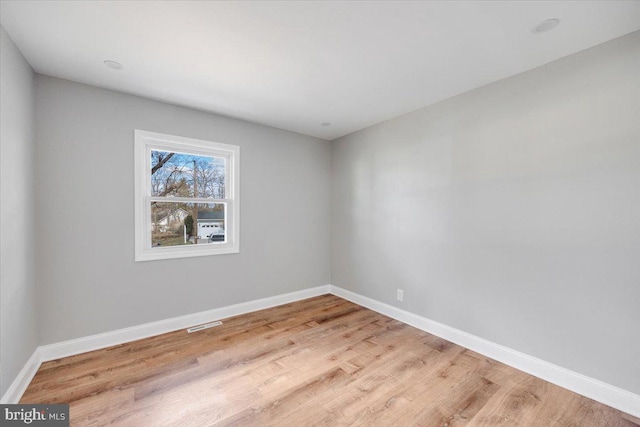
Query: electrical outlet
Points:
[400, 295]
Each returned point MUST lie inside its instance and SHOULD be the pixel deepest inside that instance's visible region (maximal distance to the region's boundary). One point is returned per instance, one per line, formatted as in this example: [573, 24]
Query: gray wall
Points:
[511, 212]
[88, 280]
[18, 311]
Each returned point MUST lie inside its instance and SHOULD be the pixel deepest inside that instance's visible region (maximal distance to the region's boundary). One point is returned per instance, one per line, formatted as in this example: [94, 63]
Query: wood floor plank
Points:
[322, 361]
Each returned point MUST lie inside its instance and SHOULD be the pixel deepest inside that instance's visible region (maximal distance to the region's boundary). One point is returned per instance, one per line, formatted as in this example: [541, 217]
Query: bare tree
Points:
[160, 158]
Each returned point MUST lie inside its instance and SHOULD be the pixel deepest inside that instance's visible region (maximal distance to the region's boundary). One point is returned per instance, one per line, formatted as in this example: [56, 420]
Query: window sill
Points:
[183, 252]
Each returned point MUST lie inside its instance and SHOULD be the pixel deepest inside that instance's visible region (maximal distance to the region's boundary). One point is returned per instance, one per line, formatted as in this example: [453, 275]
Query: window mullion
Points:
[187, 200]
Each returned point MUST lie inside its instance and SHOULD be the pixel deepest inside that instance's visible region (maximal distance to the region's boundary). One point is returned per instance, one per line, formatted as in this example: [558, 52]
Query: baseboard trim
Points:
[597, 390]
[21, 382]
[55, 351]
[121, 336]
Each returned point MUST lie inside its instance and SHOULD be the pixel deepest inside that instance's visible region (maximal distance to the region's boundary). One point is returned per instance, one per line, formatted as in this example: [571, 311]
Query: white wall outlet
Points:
[400, 295]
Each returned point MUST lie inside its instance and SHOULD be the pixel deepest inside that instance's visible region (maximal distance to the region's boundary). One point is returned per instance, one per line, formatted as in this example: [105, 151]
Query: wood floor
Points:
[321, 361]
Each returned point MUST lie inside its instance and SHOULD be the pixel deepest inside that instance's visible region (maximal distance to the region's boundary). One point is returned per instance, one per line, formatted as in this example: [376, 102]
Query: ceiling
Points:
[296, 65]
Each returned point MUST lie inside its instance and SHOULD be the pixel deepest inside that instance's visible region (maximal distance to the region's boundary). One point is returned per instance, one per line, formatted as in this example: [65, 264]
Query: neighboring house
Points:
[171, 220]
[210, 222]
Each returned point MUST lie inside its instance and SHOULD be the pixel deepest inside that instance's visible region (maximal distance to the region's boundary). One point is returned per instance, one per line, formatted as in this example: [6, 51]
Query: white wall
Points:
[18, 311]
[88, 278]
[511, 212]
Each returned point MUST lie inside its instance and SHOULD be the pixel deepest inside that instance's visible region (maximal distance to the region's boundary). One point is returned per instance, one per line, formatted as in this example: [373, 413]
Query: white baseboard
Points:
[20, 384]
[594, 389]
[120, 336]
[49, 352]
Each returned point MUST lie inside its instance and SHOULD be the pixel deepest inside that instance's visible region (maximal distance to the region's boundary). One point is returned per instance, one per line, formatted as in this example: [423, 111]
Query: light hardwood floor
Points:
[321, 361]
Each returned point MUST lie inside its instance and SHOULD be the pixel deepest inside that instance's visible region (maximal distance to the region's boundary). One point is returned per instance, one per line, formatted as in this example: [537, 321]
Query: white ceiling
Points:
[295, 65]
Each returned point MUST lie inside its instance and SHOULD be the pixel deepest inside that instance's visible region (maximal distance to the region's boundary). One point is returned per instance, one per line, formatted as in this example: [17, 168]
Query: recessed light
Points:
[325, 124]
[546, 25]
[113, 64]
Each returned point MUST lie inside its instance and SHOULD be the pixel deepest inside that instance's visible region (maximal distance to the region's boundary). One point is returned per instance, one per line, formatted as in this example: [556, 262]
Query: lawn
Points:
[166, 239]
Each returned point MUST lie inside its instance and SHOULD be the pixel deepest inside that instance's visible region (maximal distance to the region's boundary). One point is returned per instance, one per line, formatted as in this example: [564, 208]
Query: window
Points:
[186, 197]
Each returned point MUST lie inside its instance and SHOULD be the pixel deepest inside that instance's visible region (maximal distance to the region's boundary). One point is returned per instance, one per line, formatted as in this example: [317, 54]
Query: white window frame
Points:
[144, 143]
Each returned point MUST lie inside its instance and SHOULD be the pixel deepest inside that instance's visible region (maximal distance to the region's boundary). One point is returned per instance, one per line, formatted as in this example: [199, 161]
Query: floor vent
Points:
[205, 326]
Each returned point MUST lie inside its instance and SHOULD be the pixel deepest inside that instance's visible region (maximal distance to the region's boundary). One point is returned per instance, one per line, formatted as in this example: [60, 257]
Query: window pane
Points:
[187, 175]
[175, 224]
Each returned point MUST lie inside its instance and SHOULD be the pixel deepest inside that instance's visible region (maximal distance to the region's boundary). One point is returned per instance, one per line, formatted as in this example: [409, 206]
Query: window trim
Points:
[144, 142]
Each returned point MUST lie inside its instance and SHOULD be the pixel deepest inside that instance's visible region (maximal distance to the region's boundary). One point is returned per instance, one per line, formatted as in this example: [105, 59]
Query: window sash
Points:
[193, 150]
[228, 229]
